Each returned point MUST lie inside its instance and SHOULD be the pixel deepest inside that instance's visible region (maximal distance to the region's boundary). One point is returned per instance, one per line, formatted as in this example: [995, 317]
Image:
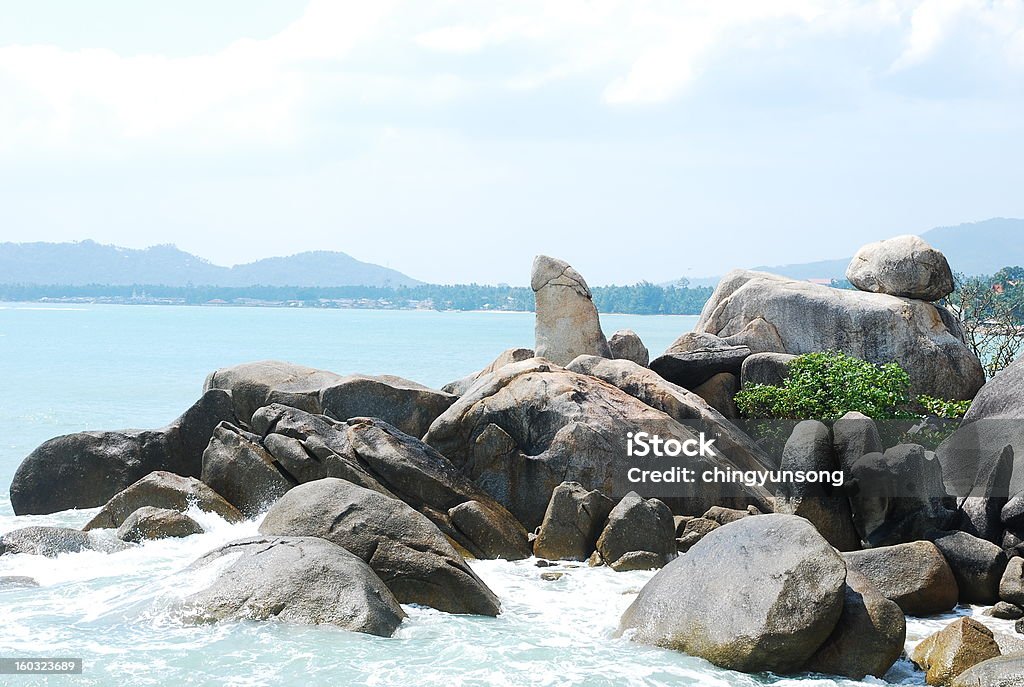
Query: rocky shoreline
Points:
[374, 491]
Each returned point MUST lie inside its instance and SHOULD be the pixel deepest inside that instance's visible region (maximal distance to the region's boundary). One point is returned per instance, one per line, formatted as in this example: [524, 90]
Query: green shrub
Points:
[940, 407]
[826, 386]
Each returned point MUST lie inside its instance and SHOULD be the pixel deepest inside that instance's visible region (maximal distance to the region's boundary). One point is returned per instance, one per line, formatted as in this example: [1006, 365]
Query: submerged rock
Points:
[53, 541]
[902, 266]
[914, 575]
[85, 469]
[759, 594]
[304, 580]
[402, 546]
[567, 321]
[874, 327]
[17, 582]
[157, 523]
[163, 489]
[952, 650]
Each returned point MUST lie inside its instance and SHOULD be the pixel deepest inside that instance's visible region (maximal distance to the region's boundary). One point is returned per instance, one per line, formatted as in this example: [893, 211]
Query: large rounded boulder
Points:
[902, 266]
[402, 546]
[85, 469]
[302, 580]
[872, 326]
[528, 427]
[759, 594]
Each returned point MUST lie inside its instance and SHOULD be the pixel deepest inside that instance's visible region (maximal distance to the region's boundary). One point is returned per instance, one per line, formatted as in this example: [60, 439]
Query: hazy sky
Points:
[455, 140]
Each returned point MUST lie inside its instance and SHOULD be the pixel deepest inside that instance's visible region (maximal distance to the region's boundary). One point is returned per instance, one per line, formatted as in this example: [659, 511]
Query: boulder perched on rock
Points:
[303, 580]
[952, 650]
[567, 320]
[39, 540]
[904, 266]
[402, 546]
[900, 496]
[868, 638]
[528, 427]
[157, 523]
[809, 449]
[257, 384]
[625, 344]
[640, 535]
[378, 456]
[977, 565]
[914, 575]
[1011, 584]
[1003, 671]
[572, 523]
[790, 581]
[719, 392]
[723, 516]
[874, 327]
[163, 489]
[765, 368]
[512, 355]
[854, 436]
[237, 466]
[85, 469]
[696, 357]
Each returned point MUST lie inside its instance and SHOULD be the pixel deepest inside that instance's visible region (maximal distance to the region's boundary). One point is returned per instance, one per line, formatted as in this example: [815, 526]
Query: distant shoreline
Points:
[300, 306]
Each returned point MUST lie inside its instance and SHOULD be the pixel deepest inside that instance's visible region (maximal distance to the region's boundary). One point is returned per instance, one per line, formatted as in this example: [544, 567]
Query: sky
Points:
[454, 141]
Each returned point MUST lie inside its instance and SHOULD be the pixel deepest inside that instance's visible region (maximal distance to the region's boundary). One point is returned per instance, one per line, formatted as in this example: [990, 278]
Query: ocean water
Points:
[70, 368]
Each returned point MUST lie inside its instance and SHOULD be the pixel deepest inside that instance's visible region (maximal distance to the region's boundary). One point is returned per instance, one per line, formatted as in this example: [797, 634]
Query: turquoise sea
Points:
[70, 368]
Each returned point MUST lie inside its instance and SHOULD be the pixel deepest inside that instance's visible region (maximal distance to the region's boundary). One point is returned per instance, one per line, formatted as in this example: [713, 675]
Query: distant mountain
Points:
[88, 262]
[978, 248]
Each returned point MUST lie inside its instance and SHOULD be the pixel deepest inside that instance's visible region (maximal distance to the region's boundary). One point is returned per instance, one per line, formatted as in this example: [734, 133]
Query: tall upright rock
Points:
[567, 320]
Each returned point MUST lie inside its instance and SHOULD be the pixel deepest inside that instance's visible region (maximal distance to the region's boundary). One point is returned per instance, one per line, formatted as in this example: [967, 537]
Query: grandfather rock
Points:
[572, 523]
[163, 489]
[951, 651]
[303, 580]
[874, 327]
[639, 535]
[402, 546]
[868, 638]
[157, 523]
[760, 594]
[567, 320]
[914, 575]
[903, 266]
[625, 344]
[85, 469]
